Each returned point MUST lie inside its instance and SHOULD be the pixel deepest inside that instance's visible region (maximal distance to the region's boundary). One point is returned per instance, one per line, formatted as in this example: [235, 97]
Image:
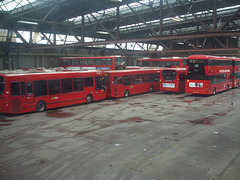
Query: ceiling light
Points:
[102, 32]
[116, 0]
[177, 19]
[28, 22]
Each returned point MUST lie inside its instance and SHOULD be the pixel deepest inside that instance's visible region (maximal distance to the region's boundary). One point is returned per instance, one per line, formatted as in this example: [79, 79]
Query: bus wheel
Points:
[214, 91]
[41, 106]
[126, 93]
[89, 99]
[151, 89]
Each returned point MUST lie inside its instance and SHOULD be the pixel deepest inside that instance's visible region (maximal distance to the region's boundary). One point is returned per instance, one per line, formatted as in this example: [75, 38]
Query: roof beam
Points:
[162, 38]
[230, 19]
[20, 37]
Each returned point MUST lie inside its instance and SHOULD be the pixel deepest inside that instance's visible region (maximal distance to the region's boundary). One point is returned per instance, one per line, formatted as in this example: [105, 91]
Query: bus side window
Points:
[127, 80]
[23, 92]
[66, 85]
[151, 77]
[115, 80]
[40, 88]
[157, 76]
[29, 88]
[78, 84]
[15, 89]
[119, 80]
[168, 64]
[88, 81]
[175, 63]
[54, 86]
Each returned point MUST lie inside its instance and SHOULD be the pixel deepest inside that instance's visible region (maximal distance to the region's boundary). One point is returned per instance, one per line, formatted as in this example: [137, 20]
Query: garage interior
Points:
[156, 135]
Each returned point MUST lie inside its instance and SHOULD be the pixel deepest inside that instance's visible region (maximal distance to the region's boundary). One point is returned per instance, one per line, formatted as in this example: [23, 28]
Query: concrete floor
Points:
[149, 136]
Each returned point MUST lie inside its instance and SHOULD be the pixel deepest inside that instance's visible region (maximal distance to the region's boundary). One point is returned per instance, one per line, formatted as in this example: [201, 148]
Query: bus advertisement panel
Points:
[23, 91]
[162, 62]
[208, 74]
[128, 82]
[173, 79]
[98, 63]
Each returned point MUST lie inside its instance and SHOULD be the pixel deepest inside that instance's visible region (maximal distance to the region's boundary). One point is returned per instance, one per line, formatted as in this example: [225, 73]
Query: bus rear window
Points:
[2, 85]
[169, 75]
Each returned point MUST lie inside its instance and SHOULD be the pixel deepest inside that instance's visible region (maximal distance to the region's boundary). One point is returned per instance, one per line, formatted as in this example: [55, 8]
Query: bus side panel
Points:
[60, 100]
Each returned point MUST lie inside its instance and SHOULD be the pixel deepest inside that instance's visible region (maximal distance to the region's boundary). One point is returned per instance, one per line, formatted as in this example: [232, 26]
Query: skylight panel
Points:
[9, 5]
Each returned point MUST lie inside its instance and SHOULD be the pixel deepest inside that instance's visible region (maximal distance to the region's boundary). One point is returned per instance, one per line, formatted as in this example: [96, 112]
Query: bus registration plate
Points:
[169, 85]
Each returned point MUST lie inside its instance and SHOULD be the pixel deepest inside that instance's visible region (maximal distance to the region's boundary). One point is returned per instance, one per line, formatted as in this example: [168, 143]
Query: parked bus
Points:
[236, 72]
[99, 63]
[173, 79]
[25, 91]
[163, 62]
[128, 82]
[208, 74]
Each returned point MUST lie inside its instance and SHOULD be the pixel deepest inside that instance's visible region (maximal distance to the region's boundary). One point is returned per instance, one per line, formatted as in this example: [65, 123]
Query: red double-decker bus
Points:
[173, 79]
[98, 63]
[25, 91]
[163, 62]
[236, 72]
[128, 82]
[208, 74]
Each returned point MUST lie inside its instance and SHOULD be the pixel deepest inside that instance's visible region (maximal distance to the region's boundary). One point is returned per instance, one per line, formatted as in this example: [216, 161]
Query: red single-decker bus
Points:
[173, 79]
[128, 82]
[24, 91]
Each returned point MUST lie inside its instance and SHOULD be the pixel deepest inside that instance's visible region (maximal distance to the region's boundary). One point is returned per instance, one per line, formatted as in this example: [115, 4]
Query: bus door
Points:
[115, 86]
[118, 87]
[29, 93]
[100, 86]
[15, 102]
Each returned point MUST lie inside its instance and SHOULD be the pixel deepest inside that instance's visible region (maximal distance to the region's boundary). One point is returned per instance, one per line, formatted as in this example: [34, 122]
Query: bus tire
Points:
[41, 106]
[89, 99]
[126, 93]
[214, 91]
[151, 89]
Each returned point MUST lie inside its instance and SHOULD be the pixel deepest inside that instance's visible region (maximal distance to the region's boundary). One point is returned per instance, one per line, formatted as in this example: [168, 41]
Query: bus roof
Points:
[132, 70]
[199, 56]
[176, 69]
[48, 72]
[91, 57]
[160, 59]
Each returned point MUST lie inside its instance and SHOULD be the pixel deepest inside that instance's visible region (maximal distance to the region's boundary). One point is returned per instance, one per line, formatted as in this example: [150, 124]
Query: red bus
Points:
[128, 82]
[173, 79]
[236, 72]
[99, 63]
[164, 62]
[23, 91]
[208, 74]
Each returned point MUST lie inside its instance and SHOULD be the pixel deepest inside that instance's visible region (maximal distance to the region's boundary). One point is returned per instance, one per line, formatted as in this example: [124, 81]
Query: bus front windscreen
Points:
[169, 75]
[2, 85]
[196, 70]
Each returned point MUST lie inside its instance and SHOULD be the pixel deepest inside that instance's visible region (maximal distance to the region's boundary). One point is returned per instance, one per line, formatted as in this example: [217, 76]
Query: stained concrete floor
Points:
[149, 136]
